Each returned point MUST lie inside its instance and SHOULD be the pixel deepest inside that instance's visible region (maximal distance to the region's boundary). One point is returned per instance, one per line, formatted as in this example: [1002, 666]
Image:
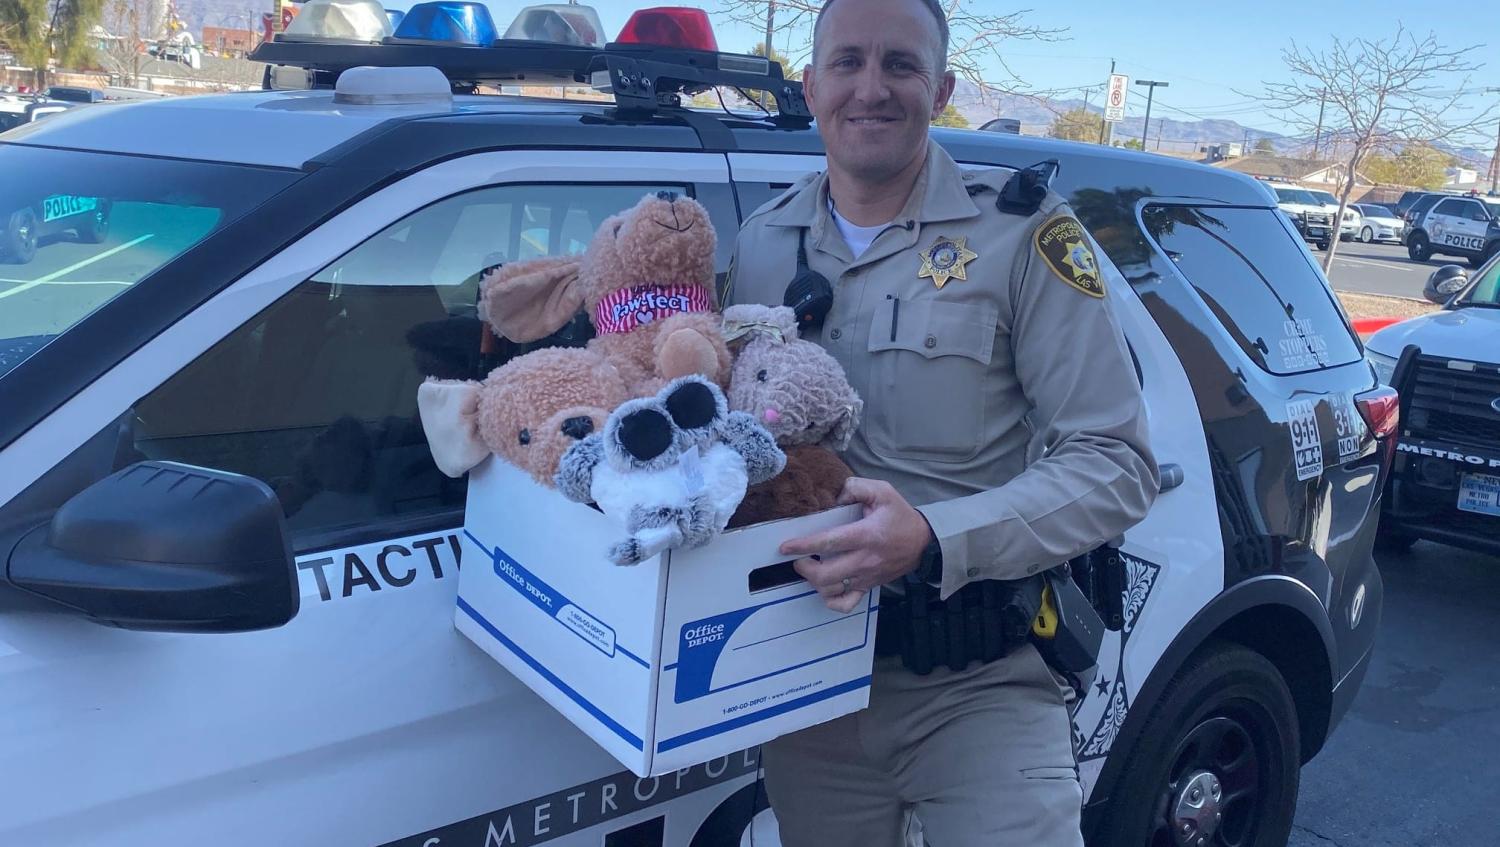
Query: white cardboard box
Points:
[672, 662]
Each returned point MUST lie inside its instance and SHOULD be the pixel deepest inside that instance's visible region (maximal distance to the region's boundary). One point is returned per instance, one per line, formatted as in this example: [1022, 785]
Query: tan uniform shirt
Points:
[1003, 403]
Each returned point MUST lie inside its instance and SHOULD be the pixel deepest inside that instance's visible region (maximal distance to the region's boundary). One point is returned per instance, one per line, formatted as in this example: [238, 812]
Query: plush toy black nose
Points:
[645, 434]
[669, 196]
[577, 428]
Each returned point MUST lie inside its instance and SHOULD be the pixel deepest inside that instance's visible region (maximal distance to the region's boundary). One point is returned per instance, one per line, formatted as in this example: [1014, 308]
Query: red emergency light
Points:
[670, 26]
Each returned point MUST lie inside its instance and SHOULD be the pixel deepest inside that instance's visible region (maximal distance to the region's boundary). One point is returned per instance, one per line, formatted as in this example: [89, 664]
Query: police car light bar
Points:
[448, 22]
[670, 26]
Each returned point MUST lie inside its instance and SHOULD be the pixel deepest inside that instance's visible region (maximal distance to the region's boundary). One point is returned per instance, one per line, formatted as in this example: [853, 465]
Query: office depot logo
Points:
[705, 634]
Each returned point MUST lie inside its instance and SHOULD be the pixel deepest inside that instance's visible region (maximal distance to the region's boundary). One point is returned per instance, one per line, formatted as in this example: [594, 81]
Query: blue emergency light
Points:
[451, 21]
[395, 16]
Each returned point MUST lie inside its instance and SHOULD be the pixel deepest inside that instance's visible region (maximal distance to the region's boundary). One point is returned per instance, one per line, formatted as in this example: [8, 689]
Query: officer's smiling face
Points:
[875, 84]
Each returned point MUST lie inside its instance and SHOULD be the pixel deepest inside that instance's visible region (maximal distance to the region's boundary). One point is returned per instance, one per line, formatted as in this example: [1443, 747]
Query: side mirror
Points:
[166, 547]
[1445, 282]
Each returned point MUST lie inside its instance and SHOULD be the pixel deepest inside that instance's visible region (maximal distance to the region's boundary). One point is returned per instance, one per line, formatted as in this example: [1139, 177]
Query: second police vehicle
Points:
[277, 662]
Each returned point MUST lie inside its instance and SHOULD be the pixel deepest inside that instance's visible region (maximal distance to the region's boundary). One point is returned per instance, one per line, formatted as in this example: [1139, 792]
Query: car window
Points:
[317, 395]
[76, 229]
[1257, 280]
[1476, 211]
[1456, 208]
[1486, 290]
[1324, 198]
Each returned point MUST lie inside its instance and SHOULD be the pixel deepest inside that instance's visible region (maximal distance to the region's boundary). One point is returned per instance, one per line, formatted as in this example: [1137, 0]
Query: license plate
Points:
[1479, 493]
[1316, 230]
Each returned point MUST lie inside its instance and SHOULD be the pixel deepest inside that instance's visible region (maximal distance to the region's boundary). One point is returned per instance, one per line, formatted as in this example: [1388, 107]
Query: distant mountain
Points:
[1177, 136]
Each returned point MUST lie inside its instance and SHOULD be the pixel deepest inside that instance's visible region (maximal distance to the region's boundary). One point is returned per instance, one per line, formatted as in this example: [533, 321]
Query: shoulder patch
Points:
[1063, 246]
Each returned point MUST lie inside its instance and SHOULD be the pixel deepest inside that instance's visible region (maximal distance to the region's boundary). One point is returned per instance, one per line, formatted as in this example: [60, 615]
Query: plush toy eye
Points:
[761, 375]
[524, 437]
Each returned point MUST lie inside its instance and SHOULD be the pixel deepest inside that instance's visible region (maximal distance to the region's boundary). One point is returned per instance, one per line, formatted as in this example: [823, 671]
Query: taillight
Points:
[1381, 409]
[670, 26]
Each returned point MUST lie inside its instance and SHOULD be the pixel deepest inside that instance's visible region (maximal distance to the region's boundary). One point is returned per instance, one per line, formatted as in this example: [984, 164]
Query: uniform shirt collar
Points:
[939, 195]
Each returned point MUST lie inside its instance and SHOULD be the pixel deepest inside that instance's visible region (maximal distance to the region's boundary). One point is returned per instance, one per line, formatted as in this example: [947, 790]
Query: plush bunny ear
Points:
[525, 301]
[450, 410]
[843, 432]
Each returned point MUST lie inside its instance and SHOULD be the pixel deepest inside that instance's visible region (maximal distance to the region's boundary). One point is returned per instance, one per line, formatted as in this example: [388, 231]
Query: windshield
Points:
[77, 229]
[1296, 195]
[1324, 198]
[1493, 204]
[1486, 290]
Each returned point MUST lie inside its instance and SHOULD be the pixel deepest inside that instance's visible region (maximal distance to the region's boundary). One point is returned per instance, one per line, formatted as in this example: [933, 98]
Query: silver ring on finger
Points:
[845, 584]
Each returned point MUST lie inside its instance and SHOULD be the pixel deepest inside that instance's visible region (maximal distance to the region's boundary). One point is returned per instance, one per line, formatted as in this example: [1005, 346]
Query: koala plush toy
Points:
[672, 468]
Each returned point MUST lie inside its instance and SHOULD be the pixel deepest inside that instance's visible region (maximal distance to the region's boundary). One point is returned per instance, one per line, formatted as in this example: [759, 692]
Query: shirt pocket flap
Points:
[935, 328]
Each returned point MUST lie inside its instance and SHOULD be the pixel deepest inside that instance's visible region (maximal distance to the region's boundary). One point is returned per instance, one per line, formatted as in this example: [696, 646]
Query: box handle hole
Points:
[773, 576]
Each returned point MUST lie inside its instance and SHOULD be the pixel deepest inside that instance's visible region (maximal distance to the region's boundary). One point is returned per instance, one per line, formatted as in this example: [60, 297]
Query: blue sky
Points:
[1207, 51]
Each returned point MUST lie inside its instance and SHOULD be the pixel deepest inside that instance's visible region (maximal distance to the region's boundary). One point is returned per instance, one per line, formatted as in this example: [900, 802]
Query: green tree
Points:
[43, 31]
[1417, 165]
[1133, 144]
[787, 71]
[1078, 125]
[1264, 147]
[951, 118]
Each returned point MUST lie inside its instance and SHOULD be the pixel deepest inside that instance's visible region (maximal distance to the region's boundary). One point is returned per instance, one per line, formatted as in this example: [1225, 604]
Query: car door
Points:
[367, 719]
[1450, 225]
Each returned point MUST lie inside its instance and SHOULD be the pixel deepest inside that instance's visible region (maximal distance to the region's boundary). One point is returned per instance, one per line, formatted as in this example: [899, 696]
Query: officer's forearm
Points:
[1086, 492]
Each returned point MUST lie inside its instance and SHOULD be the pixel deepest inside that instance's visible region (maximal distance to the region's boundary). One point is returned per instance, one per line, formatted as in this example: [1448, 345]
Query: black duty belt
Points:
[981, 622]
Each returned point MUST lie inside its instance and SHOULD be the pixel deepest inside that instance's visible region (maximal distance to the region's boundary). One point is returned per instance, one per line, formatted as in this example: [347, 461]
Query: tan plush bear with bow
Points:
[647, 284]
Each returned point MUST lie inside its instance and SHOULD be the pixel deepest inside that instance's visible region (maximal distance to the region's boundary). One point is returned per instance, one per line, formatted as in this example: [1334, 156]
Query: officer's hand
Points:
[884, 545]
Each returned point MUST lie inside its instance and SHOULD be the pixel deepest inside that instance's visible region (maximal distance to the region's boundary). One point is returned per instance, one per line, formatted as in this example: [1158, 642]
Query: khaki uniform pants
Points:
[982, 757]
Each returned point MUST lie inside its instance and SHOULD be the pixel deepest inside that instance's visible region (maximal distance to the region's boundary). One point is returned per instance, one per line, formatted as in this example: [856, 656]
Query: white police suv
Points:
[1445, 485]
[229, 563]
[1459, 225]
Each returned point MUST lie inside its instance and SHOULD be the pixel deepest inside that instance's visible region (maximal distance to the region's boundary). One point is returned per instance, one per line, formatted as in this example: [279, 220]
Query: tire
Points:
[18, 240]
[96, 228]
[1228, 718]
[1366, 235]
[1418, 248]
[1323, 245]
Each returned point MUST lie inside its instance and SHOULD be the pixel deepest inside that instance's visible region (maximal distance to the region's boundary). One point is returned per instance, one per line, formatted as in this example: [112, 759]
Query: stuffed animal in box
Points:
[672, 468]
[801, 395]
[647, 284]
[528, 411]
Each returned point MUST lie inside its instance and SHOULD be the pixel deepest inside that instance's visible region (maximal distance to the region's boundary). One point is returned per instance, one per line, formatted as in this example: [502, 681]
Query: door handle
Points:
[1171, 475]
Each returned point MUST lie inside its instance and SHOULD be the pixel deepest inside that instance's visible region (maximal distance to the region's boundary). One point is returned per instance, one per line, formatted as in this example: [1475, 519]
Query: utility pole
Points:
[1151, 85]
[1495, 159]
[770, 30]
[1105, 126]
[1159, 122]
[1318, 133]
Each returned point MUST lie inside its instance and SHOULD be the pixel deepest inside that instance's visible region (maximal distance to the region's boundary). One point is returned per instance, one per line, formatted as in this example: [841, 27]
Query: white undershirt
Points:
[857, 237]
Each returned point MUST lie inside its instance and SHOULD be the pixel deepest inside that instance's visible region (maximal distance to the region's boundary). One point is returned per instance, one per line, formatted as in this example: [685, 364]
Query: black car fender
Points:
[1274, 614]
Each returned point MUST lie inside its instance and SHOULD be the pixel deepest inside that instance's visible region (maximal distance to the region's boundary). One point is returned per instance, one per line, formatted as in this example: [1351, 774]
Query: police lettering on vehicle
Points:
[64, 205]
[583, 806]
[380, 566]
[1438, 452]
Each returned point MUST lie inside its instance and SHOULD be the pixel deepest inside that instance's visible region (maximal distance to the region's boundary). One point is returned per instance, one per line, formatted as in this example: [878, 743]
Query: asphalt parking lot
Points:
[1382, 269]
[1413, 763]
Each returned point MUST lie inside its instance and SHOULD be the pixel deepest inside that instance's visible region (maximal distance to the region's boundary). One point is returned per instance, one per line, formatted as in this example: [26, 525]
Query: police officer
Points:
[1004, 434]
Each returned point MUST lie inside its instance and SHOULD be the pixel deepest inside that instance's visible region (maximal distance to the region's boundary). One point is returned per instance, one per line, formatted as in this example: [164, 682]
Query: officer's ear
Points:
[943, 93]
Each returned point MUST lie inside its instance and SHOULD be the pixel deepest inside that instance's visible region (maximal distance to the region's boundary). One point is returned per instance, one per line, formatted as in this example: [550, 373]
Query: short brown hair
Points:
[933, 6]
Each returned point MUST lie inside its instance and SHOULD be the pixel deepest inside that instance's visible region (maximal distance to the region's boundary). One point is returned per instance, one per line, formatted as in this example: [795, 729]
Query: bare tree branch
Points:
[976, 37]
[1376, 97]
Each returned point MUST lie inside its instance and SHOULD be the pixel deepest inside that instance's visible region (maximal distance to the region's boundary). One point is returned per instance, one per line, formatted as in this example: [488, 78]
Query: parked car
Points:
[19, 109]
[1348, 224]
[75, 94]
[289, 266]
[1312, 221]
[1445, 485]
[1379, 223]
[1454, 225]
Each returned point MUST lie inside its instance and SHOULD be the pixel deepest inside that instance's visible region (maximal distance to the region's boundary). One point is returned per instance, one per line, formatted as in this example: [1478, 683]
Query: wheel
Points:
[95, 228]
[1366, 235]
[18, 241]
[1217, 763]
[1418, 248]
[1323, 245]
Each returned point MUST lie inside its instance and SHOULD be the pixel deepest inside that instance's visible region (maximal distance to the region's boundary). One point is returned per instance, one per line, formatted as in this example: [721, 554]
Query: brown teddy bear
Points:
[528, 411]
[647, 285]
[795, 389]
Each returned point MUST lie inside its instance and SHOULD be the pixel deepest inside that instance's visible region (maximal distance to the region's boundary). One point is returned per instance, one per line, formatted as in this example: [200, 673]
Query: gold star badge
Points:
[945, 260]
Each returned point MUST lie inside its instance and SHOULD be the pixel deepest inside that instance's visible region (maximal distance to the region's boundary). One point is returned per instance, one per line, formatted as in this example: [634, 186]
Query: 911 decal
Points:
[1307, 443]
[584, 806]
